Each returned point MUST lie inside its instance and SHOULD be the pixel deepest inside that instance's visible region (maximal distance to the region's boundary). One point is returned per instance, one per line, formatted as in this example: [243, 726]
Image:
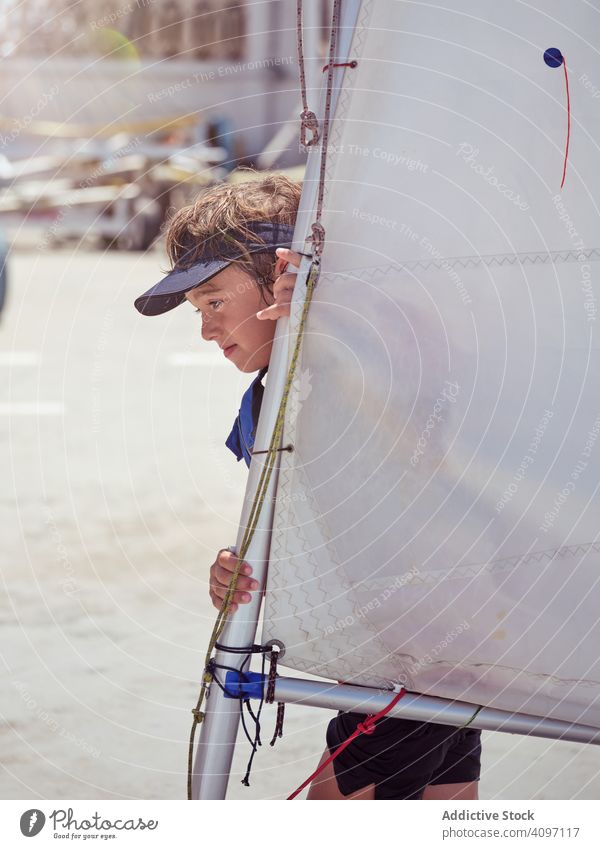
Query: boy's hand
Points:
[283, 287]
[220, 575]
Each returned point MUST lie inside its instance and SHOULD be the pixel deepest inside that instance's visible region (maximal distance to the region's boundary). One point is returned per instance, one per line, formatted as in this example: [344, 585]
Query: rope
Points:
[257, 741]
[307, 117]
[254, 649]
[318, 231]
[278, 723]
[270, 698]
[213, 666]
[272, 677]
[366, 727]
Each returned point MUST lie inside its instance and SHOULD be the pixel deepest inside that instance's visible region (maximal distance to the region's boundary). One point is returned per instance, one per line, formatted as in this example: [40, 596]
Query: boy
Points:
[229, 251]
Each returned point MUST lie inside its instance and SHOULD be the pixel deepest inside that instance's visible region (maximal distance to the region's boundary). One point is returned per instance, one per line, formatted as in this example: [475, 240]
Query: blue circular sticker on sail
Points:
[553, 57]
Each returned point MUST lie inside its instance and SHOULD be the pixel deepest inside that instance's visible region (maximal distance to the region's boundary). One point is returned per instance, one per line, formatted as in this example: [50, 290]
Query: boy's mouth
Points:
[228, 351]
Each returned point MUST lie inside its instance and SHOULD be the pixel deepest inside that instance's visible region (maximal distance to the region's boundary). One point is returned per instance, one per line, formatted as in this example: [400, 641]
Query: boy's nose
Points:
[208, 331]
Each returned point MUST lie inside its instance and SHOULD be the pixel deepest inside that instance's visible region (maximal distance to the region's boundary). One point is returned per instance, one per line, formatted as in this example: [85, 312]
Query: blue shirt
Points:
[243, 432]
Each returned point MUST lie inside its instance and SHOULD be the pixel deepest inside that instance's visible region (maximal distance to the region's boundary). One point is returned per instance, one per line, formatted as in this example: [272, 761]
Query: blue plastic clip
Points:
[244, 685]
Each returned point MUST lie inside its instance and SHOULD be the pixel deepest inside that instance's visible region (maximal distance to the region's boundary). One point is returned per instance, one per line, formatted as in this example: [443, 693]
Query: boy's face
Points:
[228, 303]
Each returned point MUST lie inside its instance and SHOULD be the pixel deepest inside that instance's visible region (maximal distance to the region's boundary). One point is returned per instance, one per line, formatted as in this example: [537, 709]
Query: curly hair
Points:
[225, 208]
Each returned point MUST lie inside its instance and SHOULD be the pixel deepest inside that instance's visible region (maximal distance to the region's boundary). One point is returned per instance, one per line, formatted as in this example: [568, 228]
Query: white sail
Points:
[437, 522]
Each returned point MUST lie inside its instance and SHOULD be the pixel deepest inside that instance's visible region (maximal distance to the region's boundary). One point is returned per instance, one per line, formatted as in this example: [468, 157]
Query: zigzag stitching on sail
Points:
[322, 614]
[474, 261]
[344, 589]
[292, 571]
[338, 670]
[549, 553]
[286, 483]
[275, 581]
[474, 569]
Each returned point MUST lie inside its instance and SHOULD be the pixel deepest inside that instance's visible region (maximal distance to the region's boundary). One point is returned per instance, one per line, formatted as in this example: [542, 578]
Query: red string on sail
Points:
[554, 58]
[568, 123]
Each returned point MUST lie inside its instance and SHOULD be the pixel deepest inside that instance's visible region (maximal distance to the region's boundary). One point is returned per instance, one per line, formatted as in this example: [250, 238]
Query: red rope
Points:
[366, 727]
[568, 122]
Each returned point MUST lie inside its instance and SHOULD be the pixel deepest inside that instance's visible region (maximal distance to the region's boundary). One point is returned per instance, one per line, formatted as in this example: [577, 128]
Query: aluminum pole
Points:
[220, 725]
[347, 697]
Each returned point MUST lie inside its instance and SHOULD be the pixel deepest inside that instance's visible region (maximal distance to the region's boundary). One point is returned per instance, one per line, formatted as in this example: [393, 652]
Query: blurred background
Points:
[117, 488]
[113, 112]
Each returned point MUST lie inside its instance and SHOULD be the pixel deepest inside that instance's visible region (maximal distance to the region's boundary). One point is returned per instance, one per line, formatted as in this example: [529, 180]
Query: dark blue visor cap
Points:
[170, 291]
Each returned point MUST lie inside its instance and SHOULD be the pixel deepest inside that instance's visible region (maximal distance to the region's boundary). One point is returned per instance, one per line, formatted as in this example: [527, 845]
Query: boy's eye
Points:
[210, 304]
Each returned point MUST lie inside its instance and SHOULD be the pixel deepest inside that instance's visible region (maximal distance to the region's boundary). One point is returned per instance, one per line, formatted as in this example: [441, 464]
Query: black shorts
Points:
[402, 756]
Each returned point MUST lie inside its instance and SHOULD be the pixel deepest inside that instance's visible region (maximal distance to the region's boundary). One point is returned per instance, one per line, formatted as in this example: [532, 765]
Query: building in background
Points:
[120, 63]
[113, 112]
